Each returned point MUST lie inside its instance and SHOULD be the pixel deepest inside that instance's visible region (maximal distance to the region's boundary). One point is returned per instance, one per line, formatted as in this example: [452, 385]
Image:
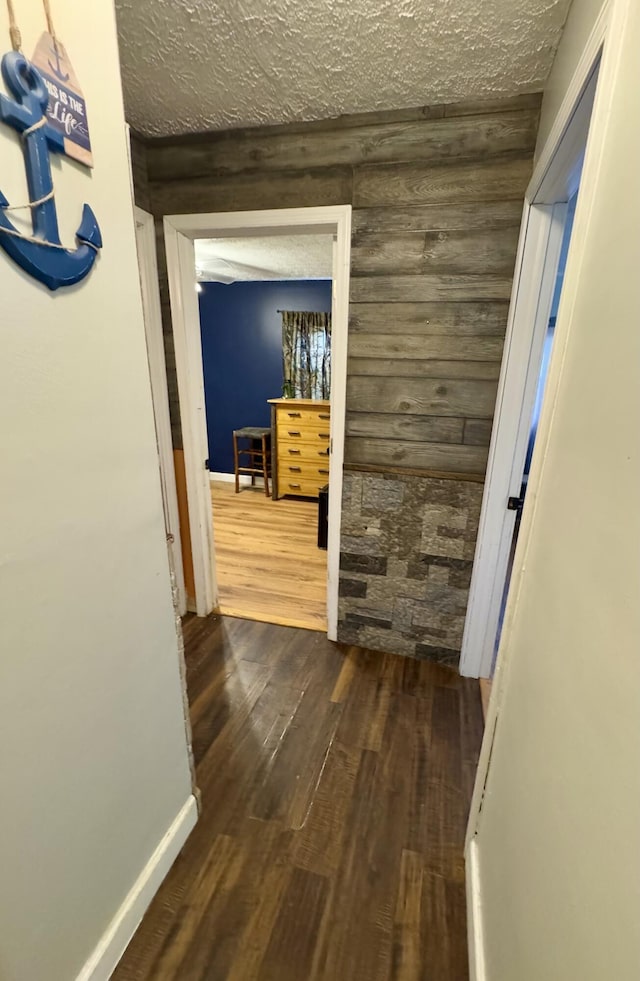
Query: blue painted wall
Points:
[241, 334]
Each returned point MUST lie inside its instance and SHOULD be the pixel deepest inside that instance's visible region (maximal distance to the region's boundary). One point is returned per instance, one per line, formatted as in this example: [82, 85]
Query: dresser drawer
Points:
[300, 486]
[290, 469]
[304, 431]
[312, 453]
[304, 416]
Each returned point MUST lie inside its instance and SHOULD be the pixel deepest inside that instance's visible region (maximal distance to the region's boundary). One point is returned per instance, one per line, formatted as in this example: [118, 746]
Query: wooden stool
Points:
[258, 452]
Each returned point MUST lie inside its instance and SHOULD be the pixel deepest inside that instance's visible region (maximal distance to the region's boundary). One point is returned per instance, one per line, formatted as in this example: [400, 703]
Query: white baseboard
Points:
[229, 478]
[475, 936]
[114, 941]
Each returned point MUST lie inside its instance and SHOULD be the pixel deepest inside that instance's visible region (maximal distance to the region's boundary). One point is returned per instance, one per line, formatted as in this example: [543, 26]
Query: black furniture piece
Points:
[323, 516]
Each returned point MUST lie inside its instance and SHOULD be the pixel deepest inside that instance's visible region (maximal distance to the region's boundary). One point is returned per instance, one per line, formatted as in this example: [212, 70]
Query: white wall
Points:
[93, 753]
[558, 839]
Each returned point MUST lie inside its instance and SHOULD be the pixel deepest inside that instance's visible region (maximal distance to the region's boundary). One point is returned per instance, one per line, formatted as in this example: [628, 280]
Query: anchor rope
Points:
[42, 241]
[31, 129]
[51, 29]
[32, 204]
[14, 30]
[15, 33]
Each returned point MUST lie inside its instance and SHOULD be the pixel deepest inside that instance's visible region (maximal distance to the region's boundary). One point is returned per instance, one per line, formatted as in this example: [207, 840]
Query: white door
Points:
[534, 286]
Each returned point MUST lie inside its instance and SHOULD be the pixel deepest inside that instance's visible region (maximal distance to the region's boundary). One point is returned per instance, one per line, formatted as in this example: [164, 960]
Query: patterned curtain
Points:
[306, 354]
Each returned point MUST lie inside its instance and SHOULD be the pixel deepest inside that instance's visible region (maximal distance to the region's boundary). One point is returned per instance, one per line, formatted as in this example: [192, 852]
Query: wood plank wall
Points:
[139, 171]
[437, 194]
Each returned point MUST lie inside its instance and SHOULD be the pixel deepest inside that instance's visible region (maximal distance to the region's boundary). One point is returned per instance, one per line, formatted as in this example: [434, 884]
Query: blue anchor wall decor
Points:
[42, 254]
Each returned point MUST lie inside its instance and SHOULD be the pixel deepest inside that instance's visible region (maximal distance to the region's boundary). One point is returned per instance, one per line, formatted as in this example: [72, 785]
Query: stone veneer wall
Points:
[407, 549]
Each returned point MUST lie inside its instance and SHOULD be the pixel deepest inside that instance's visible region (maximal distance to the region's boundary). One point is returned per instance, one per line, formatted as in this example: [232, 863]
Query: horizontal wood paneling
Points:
[427, 473]
[422, 456]
[478, 251]
[468, 318]
[379, 142]
[429, 429]
[422, 396]
[406, 368]
[530, 100]
[346, 121]
[425, 347]
[437, 194]
[254, 192]
[430, 288]
[139, 172]
[412, 183]
[477, 432]
[437, 217]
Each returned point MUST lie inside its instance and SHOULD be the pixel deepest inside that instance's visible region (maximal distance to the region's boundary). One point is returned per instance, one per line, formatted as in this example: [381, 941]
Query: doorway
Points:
[542, 253]
[516, 504]
[265, 300]
[181, 233]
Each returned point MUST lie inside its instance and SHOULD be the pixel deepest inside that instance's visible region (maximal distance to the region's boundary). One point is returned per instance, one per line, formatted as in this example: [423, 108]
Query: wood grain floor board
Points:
[366, 705]
[214, 725]
[259, 927]
[443, 919]
[357, 945]
[292, 943]
[407, 926]
[335, 784]
[320, 842]
[213, 881]
[445, 815]
[268, 565]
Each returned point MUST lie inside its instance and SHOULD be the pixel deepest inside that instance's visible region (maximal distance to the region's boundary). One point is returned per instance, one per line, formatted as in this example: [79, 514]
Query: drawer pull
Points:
[294, 485]
[295, 469]
[294, 432]
[295, 452]
[323, 415]
[323, 471]
[293, 415]
[323, 435]
[322, 453]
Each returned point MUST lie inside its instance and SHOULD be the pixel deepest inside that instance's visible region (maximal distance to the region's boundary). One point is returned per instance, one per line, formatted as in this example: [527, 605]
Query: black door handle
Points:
[516, 503]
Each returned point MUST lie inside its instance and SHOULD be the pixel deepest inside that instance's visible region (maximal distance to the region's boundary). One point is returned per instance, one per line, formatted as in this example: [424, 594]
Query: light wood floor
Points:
[335, 788]
[268, 565]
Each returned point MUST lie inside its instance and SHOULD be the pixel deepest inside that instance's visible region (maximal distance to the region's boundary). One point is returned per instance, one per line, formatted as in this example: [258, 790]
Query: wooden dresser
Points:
[301, 442]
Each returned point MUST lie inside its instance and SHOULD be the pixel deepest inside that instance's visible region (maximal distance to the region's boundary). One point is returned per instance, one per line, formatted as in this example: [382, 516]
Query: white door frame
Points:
[148, 266]
[554, 181]
[180, 233]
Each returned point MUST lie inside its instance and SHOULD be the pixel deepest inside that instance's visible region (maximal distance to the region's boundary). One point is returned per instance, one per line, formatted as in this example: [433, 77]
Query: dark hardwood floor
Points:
[335, 789]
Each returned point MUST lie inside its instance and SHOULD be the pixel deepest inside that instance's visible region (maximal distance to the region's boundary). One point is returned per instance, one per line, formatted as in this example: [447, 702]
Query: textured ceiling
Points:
[229, 260]
[192, 65]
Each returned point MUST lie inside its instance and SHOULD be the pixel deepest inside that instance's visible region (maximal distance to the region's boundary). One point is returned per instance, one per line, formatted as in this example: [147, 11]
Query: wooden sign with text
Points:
[67, 110]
